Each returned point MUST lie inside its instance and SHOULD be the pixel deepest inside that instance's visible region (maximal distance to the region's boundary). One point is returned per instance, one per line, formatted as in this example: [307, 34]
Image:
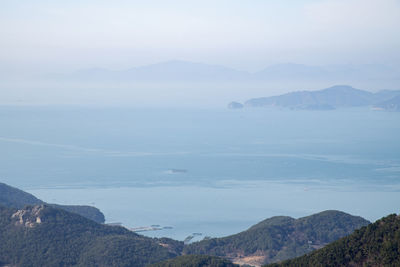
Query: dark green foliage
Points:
[89, 212]
[377, 244]
[280, 238]
[328, 226]
[67, 239]
[15, 198]
[173, 246]
[122, 250]
[44, 235]
[195, 261]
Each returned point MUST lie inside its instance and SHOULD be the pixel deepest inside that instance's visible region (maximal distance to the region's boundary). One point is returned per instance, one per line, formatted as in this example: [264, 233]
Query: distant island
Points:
[339, 96]
[235, 105]
[176, 171]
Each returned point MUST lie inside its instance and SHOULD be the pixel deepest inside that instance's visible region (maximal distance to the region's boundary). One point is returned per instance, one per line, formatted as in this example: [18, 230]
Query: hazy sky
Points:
[43, 36]
[245, 34]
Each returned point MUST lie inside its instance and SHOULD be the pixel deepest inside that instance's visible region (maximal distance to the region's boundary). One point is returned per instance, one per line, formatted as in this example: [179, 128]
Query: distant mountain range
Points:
[184, 71]
[186, 84]
[12, 197]
[326, 99]
[169, 71]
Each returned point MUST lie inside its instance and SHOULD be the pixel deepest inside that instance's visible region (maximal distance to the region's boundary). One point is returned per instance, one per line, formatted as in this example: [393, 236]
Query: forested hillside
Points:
[45, 236]
[15, 198]
[195, 261]
[280, 238]
[377, 244]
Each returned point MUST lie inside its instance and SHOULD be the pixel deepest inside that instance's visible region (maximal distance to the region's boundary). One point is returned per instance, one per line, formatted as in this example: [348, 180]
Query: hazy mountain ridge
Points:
[330, 98]
[12, 197]
[185, 71]
[377, 244]
[279, 238]
[333, 72]
[168, 71]
[180, 83]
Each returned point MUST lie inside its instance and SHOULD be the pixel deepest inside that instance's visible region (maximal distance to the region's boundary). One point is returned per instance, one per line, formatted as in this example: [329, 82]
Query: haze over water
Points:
[212, 171]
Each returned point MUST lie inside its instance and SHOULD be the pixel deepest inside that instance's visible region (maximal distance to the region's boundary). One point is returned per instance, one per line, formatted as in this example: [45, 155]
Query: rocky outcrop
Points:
[28, 217]
[15, 198]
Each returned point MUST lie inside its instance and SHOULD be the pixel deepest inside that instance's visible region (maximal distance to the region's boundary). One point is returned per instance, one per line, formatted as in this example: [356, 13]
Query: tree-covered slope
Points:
[377, 244]
[45, 236]
[280, 238]
[195, 261]
[15, 198]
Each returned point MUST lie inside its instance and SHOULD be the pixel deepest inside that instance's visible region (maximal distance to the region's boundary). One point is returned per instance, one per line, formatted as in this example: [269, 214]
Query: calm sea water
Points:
[216, 172]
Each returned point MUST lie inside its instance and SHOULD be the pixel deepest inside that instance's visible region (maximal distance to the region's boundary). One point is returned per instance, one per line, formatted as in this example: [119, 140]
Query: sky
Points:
[42, 37]
[245, 34]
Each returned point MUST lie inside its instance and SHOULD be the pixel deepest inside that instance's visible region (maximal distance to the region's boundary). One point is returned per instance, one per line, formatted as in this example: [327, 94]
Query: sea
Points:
[203, 172]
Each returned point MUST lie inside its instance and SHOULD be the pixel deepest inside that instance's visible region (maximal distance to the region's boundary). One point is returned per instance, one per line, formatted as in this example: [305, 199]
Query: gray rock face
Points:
[29, 216]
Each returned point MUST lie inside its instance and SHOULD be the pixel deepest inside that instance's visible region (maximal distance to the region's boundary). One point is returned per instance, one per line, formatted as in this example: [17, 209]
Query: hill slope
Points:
[45, 236]
[280, 238]
[377, 244]
[195, 261]
[15, 198]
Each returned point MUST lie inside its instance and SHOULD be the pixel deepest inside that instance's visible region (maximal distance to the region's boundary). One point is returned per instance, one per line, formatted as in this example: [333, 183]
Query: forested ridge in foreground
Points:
[377, 244]
[42, 235]
[279, 238]
[195, 261]
[45, 236]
